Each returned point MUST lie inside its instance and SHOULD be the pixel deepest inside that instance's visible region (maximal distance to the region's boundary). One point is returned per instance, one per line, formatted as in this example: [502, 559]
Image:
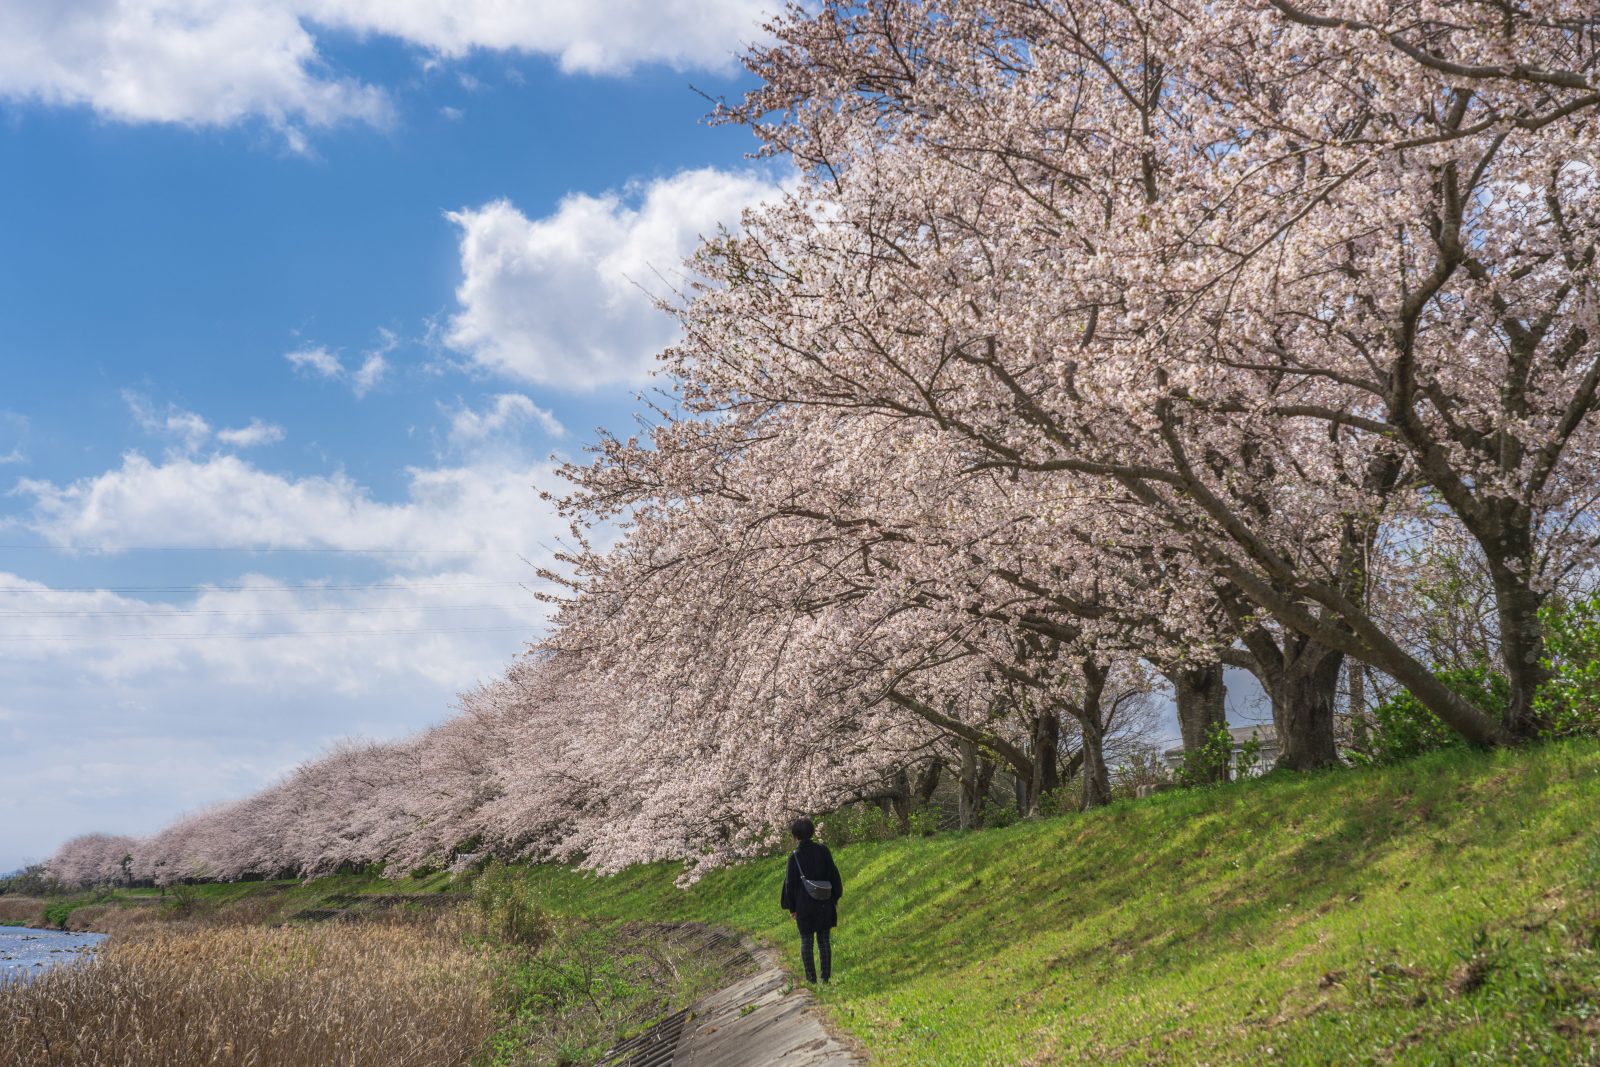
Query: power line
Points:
[188, 612]
[91, 639]
[118, 549]
[500, 584]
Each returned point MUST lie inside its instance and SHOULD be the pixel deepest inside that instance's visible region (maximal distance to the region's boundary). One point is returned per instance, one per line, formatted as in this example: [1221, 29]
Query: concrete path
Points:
[754, 1022]
[757, 1021]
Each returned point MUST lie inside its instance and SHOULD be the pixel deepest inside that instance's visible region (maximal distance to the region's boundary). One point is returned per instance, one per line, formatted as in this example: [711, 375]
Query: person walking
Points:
[811, 891]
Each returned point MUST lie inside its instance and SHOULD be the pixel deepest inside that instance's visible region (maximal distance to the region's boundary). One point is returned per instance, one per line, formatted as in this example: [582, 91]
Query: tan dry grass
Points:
[26, 910]
[390, 994]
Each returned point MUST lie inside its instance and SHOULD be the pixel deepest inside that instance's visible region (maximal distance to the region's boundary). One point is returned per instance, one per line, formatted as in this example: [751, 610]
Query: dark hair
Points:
[802, 828]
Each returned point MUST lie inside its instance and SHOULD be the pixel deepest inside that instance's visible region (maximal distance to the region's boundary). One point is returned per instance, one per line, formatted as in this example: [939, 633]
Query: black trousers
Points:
[824, 949]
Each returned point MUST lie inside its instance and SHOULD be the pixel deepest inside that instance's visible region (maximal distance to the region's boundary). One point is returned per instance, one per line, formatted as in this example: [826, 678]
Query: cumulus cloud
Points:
[224, 501]
[594, 37]
[389, 608]
[319, 362]
[190, 431]
[569, 299]
[507, 411]
[217, 62]
[195, 62]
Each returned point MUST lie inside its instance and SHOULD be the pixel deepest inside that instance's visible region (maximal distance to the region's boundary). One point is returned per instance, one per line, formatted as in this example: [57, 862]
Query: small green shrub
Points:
[1248, 763]
[508, 907]
[1403, 729]
[1208, 763]
[1569, 703]
[997, 816]
[854, 823]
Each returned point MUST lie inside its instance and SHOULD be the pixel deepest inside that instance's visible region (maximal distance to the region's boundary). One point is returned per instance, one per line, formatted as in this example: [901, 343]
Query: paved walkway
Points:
[755, 1022]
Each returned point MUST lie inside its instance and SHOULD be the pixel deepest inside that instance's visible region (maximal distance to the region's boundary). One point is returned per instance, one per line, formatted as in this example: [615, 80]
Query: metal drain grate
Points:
[653, 1048]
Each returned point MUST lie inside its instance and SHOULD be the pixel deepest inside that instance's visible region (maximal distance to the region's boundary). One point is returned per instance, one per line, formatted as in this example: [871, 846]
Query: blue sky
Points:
[297, 298]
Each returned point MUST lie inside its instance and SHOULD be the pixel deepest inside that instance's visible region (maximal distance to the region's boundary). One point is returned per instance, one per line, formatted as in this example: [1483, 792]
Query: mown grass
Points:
[1440, 912]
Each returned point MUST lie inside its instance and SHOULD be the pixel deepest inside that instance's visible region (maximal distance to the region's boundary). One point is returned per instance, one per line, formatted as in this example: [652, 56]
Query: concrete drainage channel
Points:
[755, 1021]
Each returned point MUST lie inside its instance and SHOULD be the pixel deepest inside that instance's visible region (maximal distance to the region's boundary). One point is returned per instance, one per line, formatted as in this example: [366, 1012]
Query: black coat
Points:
[818, 864]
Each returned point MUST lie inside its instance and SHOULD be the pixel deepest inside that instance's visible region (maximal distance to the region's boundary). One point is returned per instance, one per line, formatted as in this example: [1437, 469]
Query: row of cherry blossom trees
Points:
[1097, 346]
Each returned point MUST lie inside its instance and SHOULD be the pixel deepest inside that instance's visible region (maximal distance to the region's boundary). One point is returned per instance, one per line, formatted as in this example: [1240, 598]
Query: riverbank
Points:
[349, 971]
[26, 952]
[1445, 910]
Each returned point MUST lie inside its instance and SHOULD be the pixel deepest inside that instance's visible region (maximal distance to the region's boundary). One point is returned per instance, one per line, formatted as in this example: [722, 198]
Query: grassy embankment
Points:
[1442, 911]
[253, 974]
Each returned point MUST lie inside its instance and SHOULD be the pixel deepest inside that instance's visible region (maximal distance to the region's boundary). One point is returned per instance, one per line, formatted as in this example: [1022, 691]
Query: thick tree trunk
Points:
[1200, 694]
[928, 781]
[1303, 708]
[969, 806]
[900, 800]
[1356, 677]
[1301, 676]
[1096, 778]
[1046, 743]
[1091, 723]
[986, 771]
[1521, 648]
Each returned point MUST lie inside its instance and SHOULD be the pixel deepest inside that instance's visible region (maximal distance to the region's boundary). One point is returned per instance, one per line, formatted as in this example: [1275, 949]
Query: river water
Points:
[25, 952]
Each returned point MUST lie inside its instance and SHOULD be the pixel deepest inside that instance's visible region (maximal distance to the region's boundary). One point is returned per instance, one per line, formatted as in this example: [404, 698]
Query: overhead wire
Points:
[94, 639]
[175, 613]
[498, 583]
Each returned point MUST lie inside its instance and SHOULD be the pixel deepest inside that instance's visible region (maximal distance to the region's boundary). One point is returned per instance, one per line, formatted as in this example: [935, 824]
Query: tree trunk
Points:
[1521, 648]
[900, 800]
[986, 769]
[1301, 676]
[1091, 723]
[1356, 675]
[1200, 694]
[1046, 743]
[969, 806]
[928, 781]
[1096, 778]
[1303, 710]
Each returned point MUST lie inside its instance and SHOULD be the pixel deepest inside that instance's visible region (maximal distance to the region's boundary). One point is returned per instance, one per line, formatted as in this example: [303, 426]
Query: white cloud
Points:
[454, 114]
[371, 371]
[192, 431]
[567, 299]
[223, 501]
[256, 433]
[217, 62]
[195, 62]
[593, 37]
[507, 411]
[318, 361]
[426, 595]
[13, 437]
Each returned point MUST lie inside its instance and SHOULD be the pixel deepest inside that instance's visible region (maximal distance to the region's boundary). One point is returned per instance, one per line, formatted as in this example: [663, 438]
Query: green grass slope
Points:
[1445, 911]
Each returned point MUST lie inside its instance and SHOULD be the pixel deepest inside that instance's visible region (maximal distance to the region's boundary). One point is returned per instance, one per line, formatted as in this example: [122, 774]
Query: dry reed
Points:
[348, 995]
[26, 910]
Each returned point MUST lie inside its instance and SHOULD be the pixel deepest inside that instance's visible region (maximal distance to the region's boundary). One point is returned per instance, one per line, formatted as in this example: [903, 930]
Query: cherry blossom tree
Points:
[1269, 270]
[92, 859]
